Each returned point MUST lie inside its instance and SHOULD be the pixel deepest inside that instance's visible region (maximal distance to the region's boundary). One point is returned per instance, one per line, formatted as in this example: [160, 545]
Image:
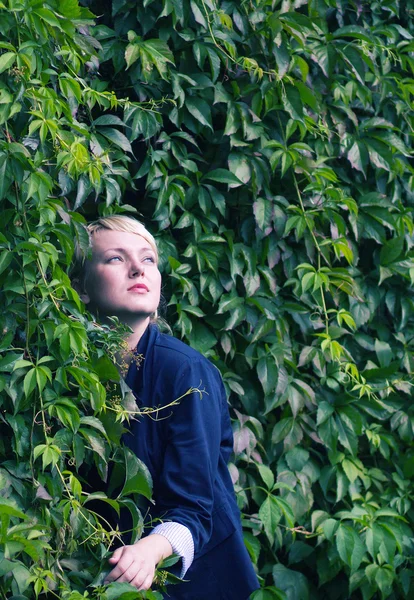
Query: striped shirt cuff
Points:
[181, 542]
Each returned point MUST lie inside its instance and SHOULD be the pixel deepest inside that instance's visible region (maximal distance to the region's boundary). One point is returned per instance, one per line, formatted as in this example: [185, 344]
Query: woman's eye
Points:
[150, 259]
[114, 258]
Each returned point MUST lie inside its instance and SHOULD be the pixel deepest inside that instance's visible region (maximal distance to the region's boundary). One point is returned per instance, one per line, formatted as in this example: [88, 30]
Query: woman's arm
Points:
[195, 432]
[184, 489]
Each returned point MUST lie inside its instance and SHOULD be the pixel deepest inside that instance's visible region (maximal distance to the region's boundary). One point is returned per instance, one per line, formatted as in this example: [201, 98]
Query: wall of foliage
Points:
[268, 145]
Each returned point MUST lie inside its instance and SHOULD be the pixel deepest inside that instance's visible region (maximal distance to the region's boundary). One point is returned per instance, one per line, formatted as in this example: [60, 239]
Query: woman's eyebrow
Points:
[125, 251]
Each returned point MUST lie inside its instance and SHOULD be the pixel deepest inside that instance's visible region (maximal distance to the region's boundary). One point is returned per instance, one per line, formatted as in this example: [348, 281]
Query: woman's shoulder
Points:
[168, 345]
[170, 360]
[173, 363]
[171, 354]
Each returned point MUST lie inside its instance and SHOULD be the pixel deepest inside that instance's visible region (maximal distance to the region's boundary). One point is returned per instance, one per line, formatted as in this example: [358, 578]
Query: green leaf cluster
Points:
[268, 145]
[65, 477]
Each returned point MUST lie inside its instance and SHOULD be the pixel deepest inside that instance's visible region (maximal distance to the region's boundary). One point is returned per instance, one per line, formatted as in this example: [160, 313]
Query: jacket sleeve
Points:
[184, 491]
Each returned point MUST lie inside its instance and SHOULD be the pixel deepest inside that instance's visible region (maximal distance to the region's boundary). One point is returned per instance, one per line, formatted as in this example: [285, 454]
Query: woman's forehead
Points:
[105, 239]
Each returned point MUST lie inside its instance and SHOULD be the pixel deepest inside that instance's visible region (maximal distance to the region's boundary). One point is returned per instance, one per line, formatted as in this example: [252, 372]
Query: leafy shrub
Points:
[269, 144]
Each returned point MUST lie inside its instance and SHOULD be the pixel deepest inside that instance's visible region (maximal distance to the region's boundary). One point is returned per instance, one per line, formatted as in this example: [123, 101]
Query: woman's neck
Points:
[125, 355]
[138, 331]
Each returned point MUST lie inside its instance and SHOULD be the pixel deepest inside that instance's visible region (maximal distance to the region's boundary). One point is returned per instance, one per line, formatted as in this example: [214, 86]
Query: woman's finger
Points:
[145, 584]
[116, 555]
[123, 564]
[136, 569]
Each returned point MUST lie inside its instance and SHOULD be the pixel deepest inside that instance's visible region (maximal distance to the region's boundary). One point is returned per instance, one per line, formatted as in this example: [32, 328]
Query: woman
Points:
[186, 452]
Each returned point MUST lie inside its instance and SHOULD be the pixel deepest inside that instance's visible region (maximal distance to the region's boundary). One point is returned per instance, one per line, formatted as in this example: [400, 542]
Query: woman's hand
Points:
[136, 564]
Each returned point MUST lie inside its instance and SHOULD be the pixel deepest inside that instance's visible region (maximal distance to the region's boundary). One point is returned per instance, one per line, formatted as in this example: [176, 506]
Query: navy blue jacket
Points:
[186, 450]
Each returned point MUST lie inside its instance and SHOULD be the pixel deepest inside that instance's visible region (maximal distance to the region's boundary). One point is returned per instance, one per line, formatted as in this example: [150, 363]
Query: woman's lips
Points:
[139, 288]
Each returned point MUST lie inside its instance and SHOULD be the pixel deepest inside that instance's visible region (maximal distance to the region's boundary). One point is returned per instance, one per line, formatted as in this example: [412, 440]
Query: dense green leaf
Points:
[293, 583]
[267, 476]
[222, 176]
[137, 477]
[7, 507]
[268, 148]
[270, 515]
[7, 60]
[350, 547]
[200, 111]
[116, 137]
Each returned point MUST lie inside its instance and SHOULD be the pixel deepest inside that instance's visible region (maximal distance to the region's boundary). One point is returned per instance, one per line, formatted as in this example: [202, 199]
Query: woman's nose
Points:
[136, 269]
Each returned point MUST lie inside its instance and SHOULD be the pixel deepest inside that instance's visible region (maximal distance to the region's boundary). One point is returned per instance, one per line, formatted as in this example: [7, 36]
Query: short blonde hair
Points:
[111, 223]
[123, 223]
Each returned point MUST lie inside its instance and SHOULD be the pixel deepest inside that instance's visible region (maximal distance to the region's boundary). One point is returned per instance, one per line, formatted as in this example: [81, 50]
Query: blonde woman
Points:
[186, 453]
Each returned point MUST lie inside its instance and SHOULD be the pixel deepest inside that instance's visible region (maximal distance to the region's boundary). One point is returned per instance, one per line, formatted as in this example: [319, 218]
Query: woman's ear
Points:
[80, 288]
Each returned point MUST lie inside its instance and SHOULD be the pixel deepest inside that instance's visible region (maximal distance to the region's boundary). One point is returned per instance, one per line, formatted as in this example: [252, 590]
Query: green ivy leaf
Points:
[137, 477]
[391, 250]
[297, 458]
[293, 583]
[239, 165]
[349, 546]
[200, 110]
[222, 176]
[267, 476]
[263, 212]
[267, 372]
[116, 137]
[8, 507]
[270, 515]
[292, 102]
[7, 60]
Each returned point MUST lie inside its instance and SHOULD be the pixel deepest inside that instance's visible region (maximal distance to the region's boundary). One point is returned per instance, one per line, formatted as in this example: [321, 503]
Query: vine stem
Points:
[110, 534]
[355, 379]
[26, 293]
[44, 425]
[153, 105]
[241, 62]
[46, 284]
[319, 251]
[147, 411]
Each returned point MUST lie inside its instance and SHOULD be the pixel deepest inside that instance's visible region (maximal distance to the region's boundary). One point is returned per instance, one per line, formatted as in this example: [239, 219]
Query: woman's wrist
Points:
[159, 546]
[181, 541]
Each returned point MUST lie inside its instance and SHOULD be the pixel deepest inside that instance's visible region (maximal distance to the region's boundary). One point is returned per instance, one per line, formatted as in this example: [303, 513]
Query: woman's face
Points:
[122, 277]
